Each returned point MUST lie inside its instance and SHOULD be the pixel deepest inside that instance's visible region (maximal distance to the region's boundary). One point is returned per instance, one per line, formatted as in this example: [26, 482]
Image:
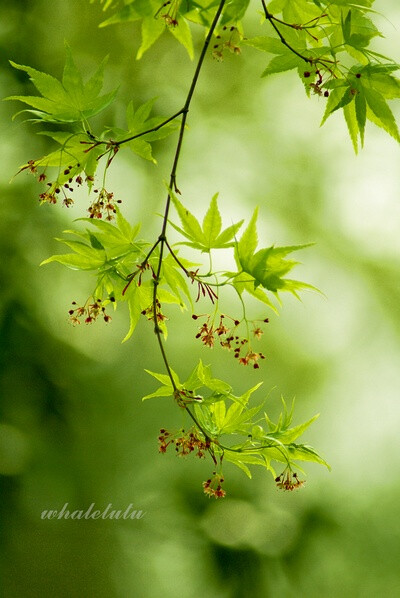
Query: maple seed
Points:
[326, 94]
[307, 74]
[358, 75]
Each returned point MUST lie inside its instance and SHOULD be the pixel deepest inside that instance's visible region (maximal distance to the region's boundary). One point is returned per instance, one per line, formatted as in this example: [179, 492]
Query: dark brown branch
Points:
[165, 122]
[172, 182]
[271, 19]
[162, 240]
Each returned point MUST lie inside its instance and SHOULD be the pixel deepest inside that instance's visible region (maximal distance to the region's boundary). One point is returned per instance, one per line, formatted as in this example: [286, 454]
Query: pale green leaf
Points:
[95, 84]
[350, 116]
[47, 85]
[164, 378]
[85, 250]
[248, 241]
[237, 462]
[228, 234]
[290, 435]
[139, 298]
[212, 223]
[72, 80]
[182, 33]
[218, 411]
[279, 64]
[163, 391]
[361, 114]
[127, 231]
[304, 452]
[151, 30]
[142, 148]
[190, 224]
[75, 261]
[379, 107]
[272, 45]
[130, 12]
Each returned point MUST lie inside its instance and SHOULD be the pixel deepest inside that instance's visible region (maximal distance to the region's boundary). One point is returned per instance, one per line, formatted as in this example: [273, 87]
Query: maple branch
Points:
[172, 185]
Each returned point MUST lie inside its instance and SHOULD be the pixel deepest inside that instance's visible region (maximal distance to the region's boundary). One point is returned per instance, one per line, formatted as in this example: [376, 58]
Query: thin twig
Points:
[172, 252]
[165, 122]
[142, 265]
[285, 43]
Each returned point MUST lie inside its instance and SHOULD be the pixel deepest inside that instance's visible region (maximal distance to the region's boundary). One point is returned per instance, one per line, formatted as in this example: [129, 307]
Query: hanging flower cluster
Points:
[55, 190]
[170, 17]
[212, 486]
[149, 313]
[228, 339]
[185, 442]
[88, 312]
[103, 205]
[288, 481]
[191, 442]
[229, 40]
[202, 287]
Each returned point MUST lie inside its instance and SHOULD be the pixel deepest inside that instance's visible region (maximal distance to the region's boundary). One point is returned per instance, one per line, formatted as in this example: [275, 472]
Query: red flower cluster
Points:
[212, 486]
[142, 268]
[185, 442]
[287, 481]
[55, 190]
[170, 17]
[228, 339]
[317, 87]
[89, 312]
[149, 312]
[202, 287]
[231, 42]
[251, 357]
[103, 205]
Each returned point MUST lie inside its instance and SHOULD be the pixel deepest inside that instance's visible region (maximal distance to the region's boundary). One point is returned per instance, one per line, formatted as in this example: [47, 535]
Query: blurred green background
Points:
[73, 428]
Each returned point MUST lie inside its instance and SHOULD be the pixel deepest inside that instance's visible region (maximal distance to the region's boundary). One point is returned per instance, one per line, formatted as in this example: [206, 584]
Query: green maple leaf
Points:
[208, 235]
[268, 266]
[69, 100]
